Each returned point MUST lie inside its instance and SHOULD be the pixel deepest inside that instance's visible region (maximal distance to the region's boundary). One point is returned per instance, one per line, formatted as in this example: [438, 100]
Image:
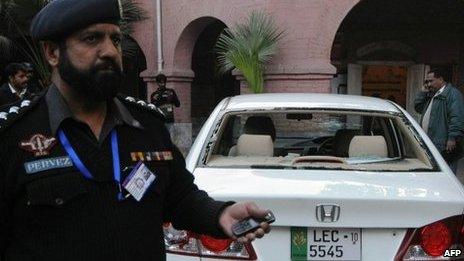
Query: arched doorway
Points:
[383, 48]
[134, 63]
[208, 87]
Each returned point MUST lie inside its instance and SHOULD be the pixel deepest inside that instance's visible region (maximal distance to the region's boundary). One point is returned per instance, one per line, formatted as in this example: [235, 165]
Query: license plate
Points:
[325, 244]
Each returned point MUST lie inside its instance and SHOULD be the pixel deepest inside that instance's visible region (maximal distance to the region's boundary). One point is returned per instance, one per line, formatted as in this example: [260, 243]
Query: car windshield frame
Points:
[213, 134]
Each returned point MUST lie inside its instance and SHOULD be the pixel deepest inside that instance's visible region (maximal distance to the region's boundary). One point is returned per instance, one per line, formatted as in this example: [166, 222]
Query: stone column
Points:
[148, 76]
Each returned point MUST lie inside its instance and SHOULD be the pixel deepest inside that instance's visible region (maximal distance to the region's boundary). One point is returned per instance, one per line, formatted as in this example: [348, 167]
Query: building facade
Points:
[363, 47]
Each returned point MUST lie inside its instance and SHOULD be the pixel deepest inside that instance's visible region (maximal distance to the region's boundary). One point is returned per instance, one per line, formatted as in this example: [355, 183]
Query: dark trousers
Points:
[453, 164]
[452, 159]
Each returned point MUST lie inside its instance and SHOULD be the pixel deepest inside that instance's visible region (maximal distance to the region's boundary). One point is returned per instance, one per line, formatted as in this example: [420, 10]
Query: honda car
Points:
[347, 178]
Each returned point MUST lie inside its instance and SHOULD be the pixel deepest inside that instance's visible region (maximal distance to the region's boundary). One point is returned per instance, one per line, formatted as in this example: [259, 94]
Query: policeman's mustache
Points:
[107, 64]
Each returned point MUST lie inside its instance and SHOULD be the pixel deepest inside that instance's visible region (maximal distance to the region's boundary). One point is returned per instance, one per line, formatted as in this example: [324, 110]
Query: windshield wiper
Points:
[368, 160]
[271, 167]
[320, 167]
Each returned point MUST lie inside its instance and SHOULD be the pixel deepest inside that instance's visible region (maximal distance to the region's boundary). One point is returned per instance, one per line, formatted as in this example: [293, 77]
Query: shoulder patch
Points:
[12, 112]
[131, 101]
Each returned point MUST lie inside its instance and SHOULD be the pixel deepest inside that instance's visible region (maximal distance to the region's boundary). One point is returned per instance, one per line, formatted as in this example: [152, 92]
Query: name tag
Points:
[138, 181]
[47, 164]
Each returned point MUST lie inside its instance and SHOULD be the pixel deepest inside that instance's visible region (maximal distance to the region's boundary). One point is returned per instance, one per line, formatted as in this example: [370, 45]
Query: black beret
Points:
[63, 17]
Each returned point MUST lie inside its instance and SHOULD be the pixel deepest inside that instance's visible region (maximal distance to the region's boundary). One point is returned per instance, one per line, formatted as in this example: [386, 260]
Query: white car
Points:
[347, 178]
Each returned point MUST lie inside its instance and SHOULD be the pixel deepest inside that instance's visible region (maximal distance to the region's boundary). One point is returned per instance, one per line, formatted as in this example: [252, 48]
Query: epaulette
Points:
[143, 105]
[10, 113]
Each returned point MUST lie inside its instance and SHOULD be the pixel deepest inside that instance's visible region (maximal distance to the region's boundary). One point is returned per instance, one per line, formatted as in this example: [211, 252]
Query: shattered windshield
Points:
[316, 139]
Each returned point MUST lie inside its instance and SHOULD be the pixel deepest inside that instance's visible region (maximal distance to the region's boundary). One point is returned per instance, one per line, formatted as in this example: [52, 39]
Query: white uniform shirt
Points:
[21, 94]
[426, 118]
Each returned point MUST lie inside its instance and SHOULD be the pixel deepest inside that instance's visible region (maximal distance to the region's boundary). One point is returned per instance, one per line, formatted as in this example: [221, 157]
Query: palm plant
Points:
[248, 47]
[6, 45]
[132, 13]
[15, 17]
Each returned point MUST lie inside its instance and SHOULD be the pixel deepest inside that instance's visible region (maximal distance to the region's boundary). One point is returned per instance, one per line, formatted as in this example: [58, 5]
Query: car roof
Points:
[310, 100]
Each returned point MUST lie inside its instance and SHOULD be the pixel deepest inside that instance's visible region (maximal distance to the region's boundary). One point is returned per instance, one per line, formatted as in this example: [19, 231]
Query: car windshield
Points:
[316, 139]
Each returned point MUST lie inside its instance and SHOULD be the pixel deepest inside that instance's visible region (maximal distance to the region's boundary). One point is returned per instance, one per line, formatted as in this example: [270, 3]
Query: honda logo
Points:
[327, 213]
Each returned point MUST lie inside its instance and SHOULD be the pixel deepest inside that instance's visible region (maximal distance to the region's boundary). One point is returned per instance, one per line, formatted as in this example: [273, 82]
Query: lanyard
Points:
[83, 169]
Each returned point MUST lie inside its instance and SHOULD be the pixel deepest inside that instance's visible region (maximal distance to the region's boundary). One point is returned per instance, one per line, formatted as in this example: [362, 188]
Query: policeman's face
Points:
[162, 84]
[19, 80]
[91, 61]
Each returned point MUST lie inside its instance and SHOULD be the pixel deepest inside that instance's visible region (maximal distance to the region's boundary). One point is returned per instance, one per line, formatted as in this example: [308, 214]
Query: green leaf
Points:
[15, 18]
[248, 47]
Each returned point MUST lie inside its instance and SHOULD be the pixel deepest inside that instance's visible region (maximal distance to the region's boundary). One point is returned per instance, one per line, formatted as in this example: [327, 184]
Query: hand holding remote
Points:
[232, 215]
[251, 224]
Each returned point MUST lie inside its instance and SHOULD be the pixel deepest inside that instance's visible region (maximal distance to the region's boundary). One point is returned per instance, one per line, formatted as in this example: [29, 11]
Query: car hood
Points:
[366, 199]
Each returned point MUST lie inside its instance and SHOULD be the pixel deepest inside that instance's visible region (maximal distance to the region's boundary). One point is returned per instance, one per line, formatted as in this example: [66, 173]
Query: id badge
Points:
[138, 181]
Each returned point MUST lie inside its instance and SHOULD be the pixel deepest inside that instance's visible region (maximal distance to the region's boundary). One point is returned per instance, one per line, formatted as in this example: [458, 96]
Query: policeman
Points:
[165, 98]
[86, 174]
[16, 87]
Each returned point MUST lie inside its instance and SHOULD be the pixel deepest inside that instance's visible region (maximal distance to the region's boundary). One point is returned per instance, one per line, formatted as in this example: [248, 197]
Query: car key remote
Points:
[248, 225]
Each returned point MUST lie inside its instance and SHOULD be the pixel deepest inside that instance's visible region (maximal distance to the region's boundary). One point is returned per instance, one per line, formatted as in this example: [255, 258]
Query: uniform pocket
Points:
[55, 191]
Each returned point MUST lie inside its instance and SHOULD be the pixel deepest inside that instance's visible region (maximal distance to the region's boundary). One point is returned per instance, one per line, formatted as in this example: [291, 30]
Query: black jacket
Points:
[49, 211]
[7, 97]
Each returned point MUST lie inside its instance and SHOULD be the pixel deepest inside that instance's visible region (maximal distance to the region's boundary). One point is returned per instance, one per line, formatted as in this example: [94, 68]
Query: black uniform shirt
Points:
[166, 99]
[50, 211]
[97, 154]
[7, 97]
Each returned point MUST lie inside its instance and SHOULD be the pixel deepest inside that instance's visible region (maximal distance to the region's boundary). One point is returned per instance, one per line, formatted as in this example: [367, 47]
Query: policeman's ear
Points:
[52, 52]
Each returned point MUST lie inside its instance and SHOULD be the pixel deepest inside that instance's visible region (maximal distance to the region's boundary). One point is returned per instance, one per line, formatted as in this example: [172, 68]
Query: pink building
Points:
[365, 47]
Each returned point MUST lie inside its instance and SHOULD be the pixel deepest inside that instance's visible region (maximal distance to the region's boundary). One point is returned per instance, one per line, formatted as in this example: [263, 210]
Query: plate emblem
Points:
[327, 213]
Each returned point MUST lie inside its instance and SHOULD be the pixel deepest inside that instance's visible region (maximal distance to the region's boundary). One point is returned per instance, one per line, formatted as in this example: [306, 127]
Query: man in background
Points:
[442, 108]
[165, 98]
[15, 88]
